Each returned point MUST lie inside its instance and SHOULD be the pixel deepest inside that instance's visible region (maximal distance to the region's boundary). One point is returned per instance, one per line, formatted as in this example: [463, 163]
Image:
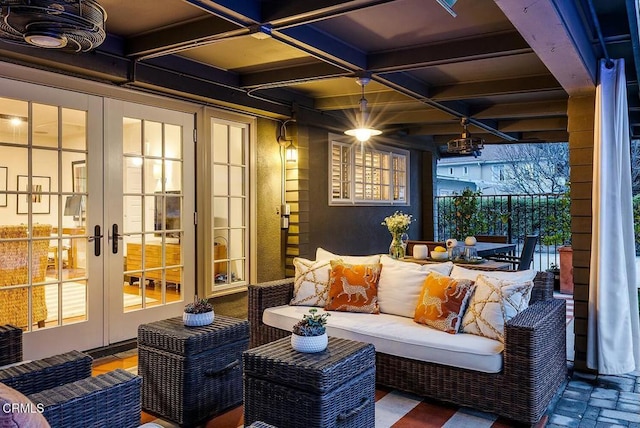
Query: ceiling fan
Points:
[466, 144]
[70, 25]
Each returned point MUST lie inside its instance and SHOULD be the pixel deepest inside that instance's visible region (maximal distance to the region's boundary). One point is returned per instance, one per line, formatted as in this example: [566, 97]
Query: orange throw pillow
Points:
[442, 302]
[353, 288]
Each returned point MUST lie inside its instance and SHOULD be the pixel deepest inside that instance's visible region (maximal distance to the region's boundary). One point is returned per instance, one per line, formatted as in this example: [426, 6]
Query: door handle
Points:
[115, 237]
[96, 239]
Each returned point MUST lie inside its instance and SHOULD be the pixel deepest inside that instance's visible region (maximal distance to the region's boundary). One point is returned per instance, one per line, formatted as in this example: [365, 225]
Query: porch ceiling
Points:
[508, 65]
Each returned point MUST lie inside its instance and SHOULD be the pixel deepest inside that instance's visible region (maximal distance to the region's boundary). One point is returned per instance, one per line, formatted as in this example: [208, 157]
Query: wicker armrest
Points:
[535, 355]
[110, 400]
[262, 296]
[10, 344]
[36, 376]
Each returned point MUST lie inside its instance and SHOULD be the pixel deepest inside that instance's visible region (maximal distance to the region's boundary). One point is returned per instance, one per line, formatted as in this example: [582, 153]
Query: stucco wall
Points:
[270, 249]
[353, 230]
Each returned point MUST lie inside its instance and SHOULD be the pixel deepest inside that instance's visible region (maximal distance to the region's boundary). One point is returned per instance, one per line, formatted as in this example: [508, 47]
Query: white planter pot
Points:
[197, 320]
[309, 344]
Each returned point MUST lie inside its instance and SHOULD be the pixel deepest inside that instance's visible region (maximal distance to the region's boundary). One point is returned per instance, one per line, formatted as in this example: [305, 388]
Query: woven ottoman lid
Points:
[172, 335]
[318, 372]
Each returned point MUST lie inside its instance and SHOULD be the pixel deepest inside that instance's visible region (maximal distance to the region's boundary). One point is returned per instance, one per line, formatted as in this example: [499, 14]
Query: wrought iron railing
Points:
[513, 216]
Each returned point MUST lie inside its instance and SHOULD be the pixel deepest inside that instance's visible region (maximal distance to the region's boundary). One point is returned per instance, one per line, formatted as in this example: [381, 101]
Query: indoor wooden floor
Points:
[151, 291]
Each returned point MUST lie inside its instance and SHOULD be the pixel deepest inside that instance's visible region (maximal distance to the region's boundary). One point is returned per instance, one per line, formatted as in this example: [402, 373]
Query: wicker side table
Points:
[333, 388]
[190, 374]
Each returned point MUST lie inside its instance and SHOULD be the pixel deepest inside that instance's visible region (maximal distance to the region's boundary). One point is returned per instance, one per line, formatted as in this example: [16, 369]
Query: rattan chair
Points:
[63, 385]
[14, 270]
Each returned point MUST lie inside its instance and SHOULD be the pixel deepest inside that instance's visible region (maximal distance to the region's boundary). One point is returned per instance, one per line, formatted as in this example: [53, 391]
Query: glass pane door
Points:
[230, 184]
[151, 230]
[45, 207]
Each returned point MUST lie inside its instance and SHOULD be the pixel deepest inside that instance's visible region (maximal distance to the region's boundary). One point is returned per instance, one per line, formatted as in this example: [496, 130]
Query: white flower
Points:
[398, 222]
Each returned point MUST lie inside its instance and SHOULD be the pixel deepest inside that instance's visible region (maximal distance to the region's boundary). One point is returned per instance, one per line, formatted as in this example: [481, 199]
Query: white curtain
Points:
[613, 344]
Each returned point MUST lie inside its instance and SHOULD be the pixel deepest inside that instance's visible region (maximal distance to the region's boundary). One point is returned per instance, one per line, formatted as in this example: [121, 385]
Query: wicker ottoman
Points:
[333, 388]
[191, 373]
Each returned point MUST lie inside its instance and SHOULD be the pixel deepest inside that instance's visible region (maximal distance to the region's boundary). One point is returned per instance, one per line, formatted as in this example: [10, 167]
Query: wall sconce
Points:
[291, 152]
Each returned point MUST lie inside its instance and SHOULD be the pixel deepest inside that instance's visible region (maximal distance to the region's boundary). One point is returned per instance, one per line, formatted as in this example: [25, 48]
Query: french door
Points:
[150, 232]
[83, 180]
[50, 282]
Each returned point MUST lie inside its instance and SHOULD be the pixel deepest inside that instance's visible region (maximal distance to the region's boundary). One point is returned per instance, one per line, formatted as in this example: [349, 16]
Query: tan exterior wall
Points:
[270, 238]
[580, 126]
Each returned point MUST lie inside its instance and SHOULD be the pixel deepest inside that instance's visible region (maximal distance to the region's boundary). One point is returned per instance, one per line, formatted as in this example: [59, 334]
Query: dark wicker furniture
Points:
[71, 398]
[534, 357]
[329, 389]
[10, 344]
[191, 373]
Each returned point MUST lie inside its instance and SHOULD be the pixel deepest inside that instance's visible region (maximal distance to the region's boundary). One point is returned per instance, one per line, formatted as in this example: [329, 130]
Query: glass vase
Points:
[396, 249]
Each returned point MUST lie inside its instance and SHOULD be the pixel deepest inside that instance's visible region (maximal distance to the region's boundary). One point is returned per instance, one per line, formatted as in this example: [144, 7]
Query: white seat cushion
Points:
[402, 337]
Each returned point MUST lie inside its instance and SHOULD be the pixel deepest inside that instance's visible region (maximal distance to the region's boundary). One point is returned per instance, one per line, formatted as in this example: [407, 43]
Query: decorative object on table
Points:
[398, 224]
[452, 248]
[420, 251]
[470, 253]
[440, 253]
[310, 334]
[198, 313]
[470, 241]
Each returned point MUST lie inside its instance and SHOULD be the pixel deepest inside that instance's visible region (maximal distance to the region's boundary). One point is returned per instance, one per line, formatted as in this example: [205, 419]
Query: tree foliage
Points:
[533, 169]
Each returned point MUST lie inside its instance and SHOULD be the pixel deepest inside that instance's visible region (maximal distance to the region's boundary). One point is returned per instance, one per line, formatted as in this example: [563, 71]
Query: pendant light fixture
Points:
[466, 144]
[363, 132]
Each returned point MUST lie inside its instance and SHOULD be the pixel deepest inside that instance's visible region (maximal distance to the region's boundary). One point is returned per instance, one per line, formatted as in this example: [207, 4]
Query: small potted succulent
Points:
[310, 334]
[198, 313]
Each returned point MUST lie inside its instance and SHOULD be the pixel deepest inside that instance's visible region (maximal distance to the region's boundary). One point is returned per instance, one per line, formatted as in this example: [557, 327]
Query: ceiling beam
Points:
[242, 13]
[284, 14]
[185, 36]
[507, 126]
[529, 125]
[460, 50]
[292, 75]
[495, 87]
[324, 47]
[554, 29]
[522, 110]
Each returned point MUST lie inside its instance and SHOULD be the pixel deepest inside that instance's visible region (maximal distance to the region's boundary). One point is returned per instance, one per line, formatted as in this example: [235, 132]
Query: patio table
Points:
[485, 249]
[485, 265]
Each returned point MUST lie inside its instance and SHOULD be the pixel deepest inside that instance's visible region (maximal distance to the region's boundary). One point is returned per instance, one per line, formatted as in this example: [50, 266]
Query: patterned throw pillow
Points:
[353, 288]
[494, 302]
[442, 302]
[311, 282]
[401, 282]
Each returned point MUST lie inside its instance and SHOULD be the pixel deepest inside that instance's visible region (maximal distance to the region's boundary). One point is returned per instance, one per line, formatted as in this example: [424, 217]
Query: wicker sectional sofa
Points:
[534, 357]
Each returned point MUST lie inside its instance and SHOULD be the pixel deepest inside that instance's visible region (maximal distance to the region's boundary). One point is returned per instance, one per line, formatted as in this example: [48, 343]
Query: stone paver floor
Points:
[592, 401]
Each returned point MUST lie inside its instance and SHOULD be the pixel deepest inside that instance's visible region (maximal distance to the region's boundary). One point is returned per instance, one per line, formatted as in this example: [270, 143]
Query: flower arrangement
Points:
[398, 222]
[311, 324]
[199, 306]
[398, 225]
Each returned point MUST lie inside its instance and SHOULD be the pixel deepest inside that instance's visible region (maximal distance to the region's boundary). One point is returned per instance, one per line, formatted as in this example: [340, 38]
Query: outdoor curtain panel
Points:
[613, 333]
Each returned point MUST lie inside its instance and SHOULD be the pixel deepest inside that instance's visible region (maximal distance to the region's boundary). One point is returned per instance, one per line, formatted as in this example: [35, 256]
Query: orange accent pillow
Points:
[442, 302]
[353, 288]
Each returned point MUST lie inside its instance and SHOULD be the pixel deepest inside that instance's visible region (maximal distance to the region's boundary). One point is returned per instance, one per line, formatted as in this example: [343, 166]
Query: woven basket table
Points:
[190, 374]
[333, 388]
